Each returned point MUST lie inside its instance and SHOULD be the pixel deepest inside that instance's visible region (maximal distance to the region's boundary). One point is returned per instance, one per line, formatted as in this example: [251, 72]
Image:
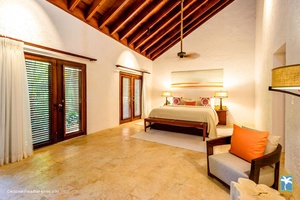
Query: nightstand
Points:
[222, 114]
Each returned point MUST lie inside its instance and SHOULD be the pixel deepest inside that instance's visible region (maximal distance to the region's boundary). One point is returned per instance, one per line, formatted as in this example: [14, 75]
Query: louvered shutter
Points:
[38, 75]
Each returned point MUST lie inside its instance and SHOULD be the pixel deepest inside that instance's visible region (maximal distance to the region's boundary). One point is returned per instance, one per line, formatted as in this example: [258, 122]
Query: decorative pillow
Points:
[204, 101]
[190, 102]
[272, 142]
[248, 144]
[177, 100]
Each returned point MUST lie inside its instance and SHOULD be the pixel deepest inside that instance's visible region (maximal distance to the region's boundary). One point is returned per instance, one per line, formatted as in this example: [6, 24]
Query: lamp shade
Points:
[286, 77]
[221, 94]
[166, 94]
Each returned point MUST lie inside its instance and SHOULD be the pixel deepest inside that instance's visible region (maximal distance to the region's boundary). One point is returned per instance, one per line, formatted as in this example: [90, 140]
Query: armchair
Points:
[227, 167]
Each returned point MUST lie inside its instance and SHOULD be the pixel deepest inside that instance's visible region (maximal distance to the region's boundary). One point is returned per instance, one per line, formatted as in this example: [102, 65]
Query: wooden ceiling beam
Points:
[128, 15]
[214, 10]
[198, 16]
[62, 5]
[173, 34]
[148, 27]
[111, 13]
[187, 11]
[167, 39]
[153, 20]
[163, 49]
[161, 26]
[76, 12]
[72, 4]
[93, 8]
[139, 19]
[191, 27]
[190, 22]
[164, 26]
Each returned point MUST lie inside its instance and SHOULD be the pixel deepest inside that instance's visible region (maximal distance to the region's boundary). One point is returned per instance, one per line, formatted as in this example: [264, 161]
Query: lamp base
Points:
[221, 108]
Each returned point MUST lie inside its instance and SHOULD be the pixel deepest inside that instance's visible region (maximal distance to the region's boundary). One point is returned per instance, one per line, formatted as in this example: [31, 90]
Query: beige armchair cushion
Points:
[229, 167]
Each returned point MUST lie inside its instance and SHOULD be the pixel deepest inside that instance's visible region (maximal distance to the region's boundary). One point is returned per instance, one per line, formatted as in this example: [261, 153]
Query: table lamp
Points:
[166, 94]
[221, 95]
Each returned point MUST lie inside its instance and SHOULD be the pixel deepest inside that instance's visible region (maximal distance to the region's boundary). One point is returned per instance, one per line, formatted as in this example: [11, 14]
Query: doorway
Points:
[130, 97]
[278, 100]
[57, 91]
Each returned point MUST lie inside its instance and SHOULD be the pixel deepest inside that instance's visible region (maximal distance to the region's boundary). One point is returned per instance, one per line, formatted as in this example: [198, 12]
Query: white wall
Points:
[40, 22]
[278, 24]
[225, 41]
[292, 117]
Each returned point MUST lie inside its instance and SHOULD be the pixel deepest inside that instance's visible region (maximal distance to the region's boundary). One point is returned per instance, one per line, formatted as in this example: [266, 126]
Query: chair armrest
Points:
[269, 159]
[216, 142]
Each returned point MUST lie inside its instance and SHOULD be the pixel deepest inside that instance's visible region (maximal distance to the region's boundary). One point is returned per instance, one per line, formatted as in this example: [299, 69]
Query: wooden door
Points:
[71, 108]
[130, 97]
[57, 99]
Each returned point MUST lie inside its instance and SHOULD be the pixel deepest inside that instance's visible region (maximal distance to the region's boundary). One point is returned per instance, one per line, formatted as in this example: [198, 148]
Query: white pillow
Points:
[272, 144]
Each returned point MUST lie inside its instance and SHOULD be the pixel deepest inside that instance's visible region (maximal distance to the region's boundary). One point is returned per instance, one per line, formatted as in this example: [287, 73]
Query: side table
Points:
[222, 115]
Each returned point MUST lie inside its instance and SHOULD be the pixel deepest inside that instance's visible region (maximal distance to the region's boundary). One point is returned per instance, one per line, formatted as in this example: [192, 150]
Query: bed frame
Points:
[173, 122]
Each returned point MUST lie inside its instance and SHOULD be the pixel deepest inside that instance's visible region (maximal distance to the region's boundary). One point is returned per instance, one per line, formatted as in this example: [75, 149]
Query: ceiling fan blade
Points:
[192, 55]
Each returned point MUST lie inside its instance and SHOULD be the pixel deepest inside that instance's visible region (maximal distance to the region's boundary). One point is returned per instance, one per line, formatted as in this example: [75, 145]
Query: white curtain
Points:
[15, 124]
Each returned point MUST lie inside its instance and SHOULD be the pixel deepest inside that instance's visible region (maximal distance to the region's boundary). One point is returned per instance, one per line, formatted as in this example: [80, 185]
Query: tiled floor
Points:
[110, 165]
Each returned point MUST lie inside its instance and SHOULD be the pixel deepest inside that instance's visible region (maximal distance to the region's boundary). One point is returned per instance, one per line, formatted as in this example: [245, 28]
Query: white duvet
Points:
[189, 113]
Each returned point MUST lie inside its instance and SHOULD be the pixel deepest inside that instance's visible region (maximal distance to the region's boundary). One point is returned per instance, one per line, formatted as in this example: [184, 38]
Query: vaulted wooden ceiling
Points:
[149, 27]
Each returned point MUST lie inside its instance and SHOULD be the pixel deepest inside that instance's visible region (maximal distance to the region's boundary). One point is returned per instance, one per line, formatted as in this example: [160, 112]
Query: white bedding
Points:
[189, 113]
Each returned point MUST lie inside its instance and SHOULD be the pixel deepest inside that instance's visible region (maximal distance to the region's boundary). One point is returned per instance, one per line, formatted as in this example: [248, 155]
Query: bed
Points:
[183, 115]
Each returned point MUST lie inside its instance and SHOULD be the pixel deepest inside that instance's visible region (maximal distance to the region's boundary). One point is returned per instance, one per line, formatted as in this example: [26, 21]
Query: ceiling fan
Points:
[182, 54]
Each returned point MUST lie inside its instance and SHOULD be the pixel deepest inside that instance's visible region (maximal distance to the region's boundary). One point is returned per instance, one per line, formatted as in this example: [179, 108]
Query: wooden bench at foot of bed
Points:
[173, 122]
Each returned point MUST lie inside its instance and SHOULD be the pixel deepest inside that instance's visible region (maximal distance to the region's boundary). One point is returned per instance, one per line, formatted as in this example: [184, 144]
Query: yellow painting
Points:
[197, 78]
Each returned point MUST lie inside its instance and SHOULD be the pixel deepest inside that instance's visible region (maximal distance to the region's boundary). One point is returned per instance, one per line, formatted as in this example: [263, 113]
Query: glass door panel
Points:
[39, 85]
[126, 105]
[137, 97]
[73, 98]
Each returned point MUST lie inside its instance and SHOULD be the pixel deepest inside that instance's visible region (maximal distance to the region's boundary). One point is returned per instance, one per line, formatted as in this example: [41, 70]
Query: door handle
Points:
[59, 106]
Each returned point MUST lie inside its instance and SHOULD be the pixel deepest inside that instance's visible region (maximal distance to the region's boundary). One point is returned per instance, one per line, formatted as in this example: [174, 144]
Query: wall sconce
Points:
[166, 94]
[286, 78]
[221, 95]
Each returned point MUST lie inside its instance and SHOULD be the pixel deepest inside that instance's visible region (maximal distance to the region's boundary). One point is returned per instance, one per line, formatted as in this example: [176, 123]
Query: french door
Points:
[57, 92]
[130, 97]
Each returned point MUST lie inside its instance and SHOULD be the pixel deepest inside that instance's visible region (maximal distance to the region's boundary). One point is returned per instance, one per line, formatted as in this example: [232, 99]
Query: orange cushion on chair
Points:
[248, 144]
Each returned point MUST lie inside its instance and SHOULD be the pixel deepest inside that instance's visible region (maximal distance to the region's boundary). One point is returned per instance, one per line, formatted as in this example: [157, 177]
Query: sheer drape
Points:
[15, 124]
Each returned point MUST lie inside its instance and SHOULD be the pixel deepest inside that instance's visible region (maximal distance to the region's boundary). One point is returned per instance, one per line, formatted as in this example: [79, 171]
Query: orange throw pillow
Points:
[190, 103]
[248, 144]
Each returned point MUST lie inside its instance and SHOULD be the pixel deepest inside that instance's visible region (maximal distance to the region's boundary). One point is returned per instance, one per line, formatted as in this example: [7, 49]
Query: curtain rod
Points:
[49, 48]
[141, 71]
